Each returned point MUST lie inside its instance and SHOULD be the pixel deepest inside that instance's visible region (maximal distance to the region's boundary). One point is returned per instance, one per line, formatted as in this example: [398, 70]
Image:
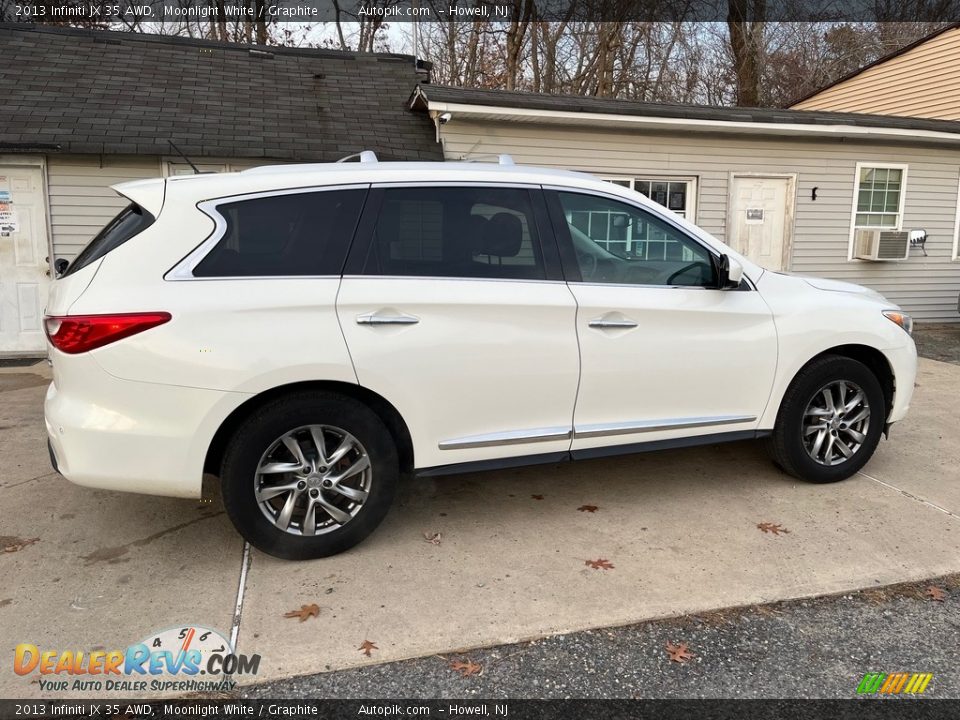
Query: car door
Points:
[455, 311]
[665, 354]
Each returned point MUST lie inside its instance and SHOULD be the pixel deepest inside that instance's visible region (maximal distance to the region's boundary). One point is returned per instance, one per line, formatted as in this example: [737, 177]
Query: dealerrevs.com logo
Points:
[184, 659]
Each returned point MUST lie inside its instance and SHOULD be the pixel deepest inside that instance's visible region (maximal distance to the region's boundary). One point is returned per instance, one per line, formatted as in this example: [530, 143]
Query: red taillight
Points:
[74, 334]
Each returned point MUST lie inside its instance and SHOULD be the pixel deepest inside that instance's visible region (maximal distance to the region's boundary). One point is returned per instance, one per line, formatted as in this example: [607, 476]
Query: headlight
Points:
[901, 319]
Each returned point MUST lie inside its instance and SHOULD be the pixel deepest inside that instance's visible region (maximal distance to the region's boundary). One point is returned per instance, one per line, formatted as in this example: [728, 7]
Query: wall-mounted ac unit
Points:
[881, 244]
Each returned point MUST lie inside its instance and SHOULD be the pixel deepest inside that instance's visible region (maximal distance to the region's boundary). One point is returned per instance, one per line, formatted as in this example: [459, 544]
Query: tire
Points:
[839, 377]
[261, 443]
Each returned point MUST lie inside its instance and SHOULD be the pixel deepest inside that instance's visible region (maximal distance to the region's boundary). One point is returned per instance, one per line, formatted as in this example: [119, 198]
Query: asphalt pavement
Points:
[817, 648]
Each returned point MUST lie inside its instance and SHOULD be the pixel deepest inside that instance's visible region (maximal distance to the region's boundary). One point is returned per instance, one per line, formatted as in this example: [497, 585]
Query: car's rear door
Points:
[665, 354]
[454, 310]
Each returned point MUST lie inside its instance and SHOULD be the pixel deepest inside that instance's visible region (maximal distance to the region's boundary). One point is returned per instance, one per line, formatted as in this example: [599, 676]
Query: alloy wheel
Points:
[836, 422]
[313, 480]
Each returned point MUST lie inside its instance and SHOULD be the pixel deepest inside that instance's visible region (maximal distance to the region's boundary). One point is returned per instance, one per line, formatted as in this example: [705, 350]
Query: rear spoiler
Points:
[148, 194]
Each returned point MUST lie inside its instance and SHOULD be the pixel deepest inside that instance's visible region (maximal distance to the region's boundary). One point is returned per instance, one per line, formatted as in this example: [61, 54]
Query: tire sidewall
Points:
[274, 420]
[808, 384]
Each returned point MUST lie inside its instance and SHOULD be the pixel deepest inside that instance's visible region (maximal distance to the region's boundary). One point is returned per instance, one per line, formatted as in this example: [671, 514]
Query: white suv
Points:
[311, 333]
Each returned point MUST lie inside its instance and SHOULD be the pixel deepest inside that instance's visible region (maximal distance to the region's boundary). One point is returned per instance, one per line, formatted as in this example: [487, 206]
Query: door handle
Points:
[375, 318]
[604, 323]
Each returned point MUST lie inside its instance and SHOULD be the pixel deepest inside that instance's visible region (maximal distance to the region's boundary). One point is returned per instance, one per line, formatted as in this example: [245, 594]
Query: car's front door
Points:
[665, 355]
[454, 310]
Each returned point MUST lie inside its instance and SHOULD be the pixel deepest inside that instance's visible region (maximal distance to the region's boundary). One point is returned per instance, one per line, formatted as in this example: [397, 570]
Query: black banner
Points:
[125, 12]
[112, 709]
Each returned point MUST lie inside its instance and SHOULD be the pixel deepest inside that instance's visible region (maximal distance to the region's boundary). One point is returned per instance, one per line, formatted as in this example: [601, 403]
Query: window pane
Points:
[294, 234]
[658, 193]
[653, 253]
[878, 197]
[671, 194]
[132, 221]
[678, 196]
[461, 232]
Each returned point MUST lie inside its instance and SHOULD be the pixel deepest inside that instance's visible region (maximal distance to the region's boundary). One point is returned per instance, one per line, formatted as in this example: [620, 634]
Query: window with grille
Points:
[879, 196]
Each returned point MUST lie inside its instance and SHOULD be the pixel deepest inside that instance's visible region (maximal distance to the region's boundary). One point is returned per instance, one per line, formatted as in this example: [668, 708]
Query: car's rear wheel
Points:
[309, 476]
[830, 420]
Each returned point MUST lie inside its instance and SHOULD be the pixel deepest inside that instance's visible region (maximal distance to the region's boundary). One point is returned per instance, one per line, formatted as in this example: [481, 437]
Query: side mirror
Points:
[61, 265]
[729, 273]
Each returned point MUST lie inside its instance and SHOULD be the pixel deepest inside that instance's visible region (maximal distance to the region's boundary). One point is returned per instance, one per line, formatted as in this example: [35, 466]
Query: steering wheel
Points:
[684, 269]
[586, 259]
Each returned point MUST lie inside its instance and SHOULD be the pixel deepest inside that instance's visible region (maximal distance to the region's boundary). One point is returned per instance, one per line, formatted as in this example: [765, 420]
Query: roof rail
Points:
[366, 156]
[502, 159]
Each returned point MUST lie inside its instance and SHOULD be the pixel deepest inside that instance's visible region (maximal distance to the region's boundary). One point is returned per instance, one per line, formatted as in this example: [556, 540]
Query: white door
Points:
[664, 353]
[23, 260]
[451, 316]
[761, 220]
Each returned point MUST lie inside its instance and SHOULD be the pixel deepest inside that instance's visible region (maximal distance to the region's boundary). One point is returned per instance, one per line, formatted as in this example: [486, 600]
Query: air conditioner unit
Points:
[881, 244]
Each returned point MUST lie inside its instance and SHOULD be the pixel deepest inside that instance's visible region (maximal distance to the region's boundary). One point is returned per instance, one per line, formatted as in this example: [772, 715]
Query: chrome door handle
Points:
[601, 323]
[375, 318]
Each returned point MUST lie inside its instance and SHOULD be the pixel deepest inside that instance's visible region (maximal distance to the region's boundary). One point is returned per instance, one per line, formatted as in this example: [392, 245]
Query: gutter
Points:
[566, 117]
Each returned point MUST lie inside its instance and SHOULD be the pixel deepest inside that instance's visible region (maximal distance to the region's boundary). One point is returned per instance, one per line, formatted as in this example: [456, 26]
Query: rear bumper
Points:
[116, 434]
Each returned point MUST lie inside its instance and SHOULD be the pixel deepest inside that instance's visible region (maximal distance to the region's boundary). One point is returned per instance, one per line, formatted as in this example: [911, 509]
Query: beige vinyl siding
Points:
[925, 286]
[81, 201]
[922, 82]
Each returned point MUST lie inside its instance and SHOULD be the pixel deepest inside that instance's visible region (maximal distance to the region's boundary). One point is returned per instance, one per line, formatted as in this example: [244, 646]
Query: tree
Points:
[745, 23]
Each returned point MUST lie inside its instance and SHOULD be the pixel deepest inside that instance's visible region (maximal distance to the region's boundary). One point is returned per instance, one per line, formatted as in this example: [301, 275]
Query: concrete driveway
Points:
[679, 529]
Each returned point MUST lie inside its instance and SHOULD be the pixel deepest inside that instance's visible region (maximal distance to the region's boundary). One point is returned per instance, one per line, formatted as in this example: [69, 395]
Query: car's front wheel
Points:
[309, 475]
[830, 420]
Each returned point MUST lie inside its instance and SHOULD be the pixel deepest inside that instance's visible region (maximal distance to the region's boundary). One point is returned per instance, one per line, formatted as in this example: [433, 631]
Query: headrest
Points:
[502, 236]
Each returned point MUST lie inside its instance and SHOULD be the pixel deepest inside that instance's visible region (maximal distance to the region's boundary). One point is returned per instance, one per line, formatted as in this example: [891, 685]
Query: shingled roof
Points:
[87, 91]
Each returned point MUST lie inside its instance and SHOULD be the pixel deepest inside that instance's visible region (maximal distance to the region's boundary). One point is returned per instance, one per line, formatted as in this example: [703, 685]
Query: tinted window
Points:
[294, 234]
[619, 243]
[456, 232]
[131, 221]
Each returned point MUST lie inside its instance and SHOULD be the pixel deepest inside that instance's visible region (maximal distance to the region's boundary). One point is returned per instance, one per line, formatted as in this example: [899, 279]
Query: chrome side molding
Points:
[641, 426]
[519, 437]
[510, 437]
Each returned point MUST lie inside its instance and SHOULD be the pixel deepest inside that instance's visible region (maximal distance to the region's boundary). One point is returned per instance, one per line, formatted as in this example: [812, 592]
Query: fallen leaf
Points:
[935, 593]
[679, 653]
[774, 528]
[588, 508]
[366, 646]
[466, 669]
[599, 564]
[433, 539]
[537, 497]
[304, 612]
[19, 544]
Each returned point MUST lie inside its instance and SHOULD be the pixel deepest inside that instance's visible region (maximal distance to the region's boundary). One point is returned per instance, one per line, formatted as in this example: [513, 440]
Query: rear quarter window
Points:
[131, 221]
[284, 235]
